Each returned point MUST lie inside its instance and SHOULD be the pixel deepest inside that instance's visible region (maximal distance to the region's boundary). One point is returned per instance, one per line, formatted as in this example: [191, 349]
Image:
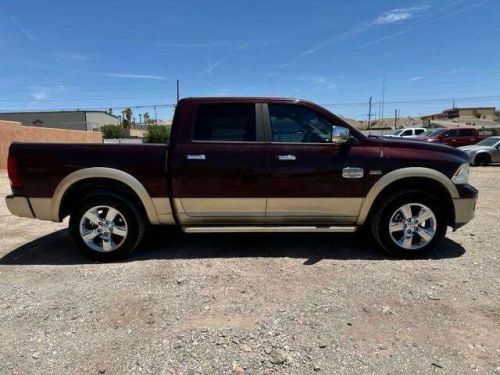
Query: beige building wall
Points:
[15, 132]
[486, 113]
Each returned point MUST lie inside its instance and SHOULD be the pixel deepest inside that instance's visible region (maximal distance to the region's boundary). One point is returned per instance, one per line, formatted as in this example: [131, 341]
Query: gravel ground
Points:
[251, 304]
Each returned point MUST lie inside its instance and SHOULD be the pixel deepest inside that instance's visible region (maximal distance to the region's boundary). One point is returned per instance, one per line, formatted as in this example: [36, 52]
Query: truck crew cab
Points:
[246, 165]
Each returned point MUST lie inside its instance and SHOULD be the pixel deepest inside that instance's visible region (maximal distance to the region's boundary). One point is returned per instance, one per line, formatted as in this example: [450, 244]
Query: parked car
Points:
[246, 165]
[455, 137]
[485, 152]
[407, 133]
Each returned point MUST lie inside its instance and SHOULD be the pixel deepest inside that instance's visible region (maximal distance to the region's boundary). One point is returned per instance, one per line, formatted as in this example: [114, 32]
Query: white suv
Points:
[407, 133]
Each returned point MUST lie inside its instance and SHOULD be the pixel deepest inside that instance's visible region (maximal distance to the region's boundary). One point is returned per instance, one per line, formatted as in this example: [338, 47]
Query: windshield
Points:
[397, 132]
[488, 142]
[433, 133]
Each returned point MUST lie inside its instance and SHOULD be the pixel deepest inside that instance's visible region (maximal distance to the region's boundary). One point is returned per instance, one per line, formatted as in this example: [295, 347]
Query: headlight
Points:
[461, 176]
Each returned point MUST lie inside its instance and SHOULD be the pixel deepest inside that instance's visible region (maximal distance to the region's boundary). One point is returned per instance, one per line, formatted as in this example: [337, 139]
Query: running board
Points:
[270, 229]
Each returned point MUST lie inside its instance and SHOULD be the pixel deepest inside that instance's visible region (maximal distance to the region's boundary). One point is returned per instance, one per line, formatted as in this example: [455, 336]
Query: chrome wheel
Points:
[412, 226]
[103, 228]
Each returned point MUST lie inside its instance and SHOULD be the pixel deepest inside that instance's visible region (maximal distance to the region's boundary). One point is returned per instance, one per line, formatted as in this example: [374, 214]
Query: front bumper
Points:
[465, 206]
[19, 206]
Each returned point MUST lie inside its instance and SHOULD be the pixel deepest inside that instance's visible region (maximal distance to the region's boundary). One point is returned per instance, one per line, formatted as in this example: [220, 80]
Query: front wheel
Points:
[409, 225]
[482, 159]
[106, 227]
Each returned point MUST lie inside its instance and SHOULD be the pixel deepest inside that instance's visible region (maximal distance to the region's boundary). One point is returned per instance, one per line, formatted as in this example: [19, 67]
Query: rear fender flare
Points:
[101, 172]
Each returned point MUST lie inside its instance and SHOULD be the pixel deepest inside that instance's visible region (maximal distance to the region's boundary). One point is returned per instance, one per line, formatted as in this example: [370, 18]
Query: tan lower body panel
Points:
[163, 210]
[464, 210]
[222, 206]
[42, 208]
[314, 207]
[230, 211]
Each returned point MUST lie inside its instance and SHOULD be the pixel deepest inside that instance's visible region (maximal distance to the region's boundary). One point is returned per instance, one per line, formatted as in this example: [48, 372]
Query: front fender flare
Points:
[400, 174]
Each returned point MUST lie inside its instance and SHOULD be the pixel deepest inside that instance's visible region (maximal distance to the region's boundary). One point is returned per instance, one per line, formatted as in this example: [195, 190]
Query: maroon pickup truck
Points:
[246, 165]
[456, 137]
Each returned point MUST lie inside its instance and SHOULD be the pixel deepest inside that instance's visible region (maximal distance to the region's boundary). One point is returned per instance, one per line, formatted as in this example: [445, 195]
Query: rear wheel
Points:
[482, 159]
[409, 225]
[106, 227]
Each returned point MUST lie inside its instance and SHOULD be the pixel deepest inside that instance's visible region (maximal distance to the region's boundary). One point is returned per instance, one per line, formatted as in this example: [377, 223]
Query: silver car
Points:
[485, 152]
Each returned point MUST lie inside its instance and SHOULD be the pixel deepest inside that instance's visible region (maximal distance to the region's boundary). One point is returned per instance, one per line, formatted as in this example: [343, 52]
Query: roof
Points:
[242, 99]
[467, 108]
[64, 111]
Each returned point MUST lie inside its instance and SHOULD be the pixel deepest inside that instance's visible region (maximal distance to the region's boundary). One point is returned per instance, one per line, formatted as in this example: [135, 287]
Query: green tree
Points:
[157, 134]
[111, 131]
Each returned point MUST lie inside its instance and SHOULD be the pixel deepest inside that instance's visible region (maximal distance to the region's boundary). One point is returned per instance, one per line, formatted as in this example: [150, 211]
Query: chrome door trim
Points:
[288, 157]
[196, 157]
[270, 229]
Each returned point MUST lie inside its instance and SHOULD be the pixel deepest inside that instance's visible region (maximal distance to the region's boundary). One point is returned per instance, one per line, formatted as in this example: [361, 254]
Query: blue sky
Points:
[93, 54]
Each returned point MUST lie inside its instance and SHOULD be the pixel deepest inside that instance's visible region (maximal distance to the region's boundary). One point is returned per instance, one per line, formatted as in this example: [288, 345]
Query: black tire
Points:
[381, 218]
[135, 227]
[482, 159]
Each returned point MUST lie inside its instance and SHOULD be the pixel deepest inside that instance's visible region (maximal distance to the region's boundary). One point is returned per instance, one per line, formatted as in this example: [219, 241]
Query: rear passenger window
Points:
[225, 122]
[419, 131]
[465, 133]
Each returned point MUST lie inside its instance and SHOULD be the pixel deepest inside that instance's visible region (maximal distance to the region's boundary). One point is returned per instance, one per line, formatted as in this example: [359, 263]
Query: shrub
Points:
[157, 134]
[111, 131]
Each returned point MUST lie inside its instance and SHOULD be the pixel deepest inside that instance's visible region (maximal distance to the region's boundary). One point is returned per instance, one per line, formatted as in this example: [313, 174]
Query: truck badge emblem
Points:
[349, 172]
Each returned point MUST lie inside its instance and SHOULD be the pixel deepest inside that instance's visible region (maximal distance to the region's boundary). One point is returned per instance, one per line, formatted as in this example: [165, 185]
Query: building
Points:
[71, 120]
[468, 113]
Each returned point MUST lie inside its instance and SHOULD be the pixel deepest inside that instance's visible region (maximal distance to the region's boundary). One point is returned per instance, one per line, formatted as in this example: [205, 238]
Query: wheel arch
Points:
[413, 177]
[102, 173]
[481, 153]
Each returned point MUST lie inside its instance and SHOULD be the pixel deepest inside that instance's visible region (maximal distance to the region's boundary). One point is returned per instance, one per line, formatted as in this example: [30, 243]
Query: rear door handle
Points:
[286, 157]
[196, 157]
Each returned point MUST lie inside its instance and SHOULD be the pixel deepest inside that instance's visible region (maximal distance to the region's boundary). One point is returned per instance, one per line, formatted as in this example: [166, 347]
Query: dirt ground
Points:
[251, 304]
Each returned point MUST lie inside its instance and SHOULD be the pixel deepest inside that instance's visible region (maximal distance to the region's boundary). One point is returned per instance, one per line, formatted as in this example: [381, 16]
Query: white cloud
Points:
[416, 78]
[132, 76]
[39, 94]
[71, 56]
[398, 15]
[26, 33]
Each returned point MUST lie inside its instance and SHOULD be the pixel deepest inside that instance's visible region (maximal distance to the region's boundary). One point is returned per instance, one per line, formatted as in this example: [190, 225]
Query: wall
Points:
[15, 132]
[97, 119]
[74, 120]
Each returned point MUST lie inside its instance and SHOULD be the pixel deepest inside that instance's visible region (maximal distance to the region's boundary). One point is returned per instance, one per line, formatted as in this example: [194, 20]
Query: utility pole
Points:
[369, 112]
[395, 118]
[379, 110]
[177, 90]
[140, 118]
[156, 118]
[383, 97]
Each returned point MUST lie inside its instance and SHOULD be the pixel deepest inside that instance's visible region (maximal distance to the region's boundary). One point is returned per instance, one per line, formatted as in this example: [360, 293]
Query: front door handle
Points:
[286, 157]
[196, 157]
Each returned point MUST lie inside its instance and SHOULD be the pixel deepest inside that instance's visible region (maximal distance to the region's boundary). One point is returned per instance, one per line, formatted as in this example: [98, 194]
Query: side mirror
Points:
[339, 135]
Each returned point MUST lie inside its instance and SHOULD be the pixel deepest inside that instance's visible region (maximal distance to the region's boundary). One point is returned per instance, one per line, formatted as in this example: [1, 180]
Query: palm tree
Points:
[146, 118]
[127, 117]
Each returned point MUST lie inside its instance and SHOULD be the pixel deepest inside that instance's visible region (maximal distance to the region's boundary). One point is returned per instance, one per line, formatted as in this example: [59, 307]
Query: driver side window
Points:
[295, 124]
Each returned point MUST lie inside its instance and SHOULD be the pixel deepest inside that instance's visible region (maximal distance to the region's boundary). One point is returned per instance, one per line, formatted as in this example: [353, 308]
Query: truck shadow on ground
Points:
[170, 243]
